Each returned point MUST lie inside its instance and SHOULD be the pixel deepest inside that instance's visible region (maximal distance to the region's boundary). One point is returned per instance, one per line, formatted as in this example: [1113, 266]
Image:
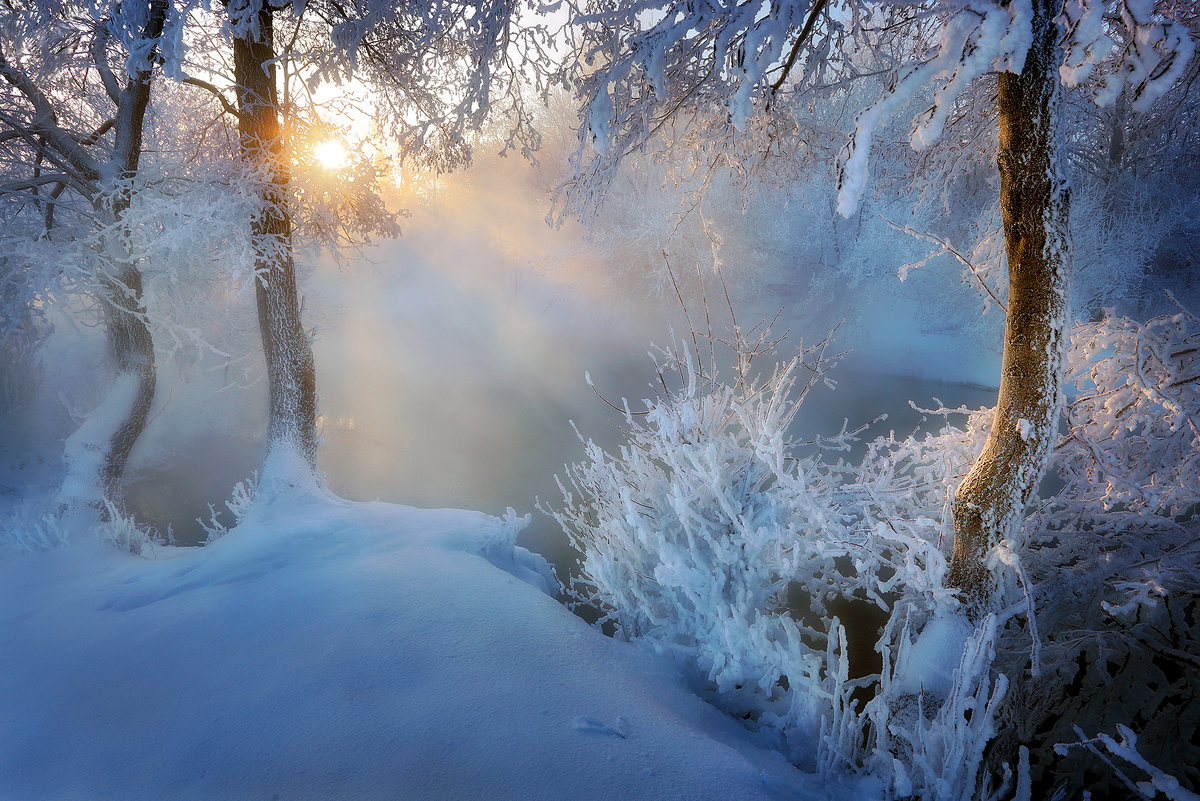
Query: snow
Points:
[931, 662]
[600, 112]
[329, 649]
[85, 450]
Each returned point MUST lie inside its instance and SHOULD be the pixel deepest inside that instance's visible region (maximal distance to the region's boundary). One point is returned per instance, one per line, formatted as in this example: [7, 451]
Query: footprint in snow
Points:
[593, 726]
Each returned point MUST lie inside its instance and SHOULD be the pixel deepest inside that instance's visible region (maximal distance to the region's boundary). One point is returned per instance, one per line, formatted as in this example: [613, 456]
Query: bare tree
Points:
[291, 375]
[991, 501]
[98, 165]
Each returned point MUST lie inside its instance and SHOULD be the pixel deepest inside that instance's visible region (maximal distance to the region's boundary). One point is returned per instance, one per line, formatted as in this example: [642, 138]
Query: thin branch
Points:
[111, 87]
[33, 183]
[947, 248]
[610, 403]
[43, 123]
[95, 135]
[805, 32]
[216, 92]
[48, 219]
[85, 181]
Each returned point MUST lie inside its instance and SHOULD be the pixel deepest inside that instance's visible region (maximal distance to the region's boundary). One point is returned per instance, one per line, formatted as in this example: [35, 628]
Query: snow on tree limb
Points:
[645, 66]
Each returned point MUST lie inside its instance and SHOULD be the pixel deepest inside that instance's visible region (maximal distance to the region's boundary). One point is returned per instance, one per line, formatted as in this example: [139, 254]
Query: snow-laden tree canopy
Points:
[647, 66]
[436, 72]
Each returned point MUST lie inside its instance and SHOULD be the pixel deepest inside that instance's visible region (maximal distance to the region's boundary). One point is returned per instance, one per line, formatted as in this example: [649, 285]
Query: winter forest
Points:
[656, 400]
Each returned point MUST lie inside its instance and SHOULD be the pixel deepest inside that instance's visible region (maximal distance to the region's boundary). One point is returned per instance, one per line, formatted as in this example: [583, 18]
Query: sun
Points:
[331, 154]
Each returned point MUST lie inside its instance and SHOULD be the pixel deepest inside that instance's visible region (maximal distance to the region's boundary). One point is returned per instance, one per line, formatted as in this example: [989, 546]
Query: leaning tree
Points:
[641, 69]
[78, 80]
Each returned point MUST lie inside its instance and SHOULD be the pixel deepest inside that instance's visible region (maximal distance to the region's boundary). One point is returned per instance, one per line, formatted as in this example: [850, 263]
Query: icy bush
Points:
[698, 530]
[1133, 449]
[691, 533]
[702, 527]
[241, 500]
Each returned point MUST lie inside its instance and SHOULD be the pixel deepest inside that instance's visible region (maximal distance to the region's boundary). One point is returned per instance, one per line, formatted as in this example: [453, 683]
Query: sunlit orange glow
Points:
[331, 154]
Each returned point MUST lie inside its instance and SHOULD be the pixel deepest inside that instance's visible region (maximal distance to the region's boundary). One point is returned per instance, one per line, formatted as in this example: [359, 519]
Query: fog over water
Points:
[450, 364]
[452, 369]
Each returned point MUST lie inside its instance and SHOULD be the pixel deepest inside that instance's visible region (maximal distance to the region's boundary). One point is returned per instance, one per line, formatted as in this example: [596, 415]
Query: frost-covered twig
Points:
[1126, 749]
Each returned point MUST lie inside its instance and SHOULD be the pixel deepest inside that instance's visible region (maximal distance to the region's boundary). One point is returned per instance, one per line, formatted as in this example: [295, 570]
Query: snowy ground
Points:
[334, 650]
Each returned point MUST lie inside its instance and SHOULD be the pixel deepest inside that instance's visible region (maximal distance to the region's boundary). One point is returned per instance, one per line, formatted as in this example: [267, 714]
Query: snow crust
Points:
[84, 450]
[327, 649]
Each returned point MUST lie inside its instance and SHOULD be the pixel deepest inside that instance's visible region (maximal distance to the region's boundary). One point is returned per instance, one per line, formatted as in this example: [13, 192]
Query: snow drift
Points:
[327, 649]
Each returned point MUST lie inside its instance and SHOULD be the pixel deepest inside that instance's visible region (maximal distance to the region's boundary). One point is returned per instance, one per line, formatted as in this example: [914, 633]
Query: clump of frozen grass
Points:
[935, 734]
[34, 527]
[240, 501]
[30, 528]
[121, 531]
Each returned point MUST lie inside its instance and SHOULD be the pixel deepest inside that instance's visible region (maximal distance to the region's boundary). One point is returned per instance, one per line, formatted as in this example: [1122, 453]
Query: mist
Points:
[451, 360]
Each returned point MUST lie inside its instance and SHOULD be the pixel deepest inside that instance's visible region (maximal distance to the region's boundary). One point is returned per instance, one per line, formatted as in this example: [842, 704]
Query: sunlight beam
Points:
[331, 154]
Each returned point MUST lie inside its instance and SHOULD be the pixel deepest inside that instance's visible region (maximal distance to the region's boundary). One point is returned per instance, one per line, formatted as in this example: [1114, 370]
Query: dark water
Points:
[507, 458]
[450, 377]
[858, 399]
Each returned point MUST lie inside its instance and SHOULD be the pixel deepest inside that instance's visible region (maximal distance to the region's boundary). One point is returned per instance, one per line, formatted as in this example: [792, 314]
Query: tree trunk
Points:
[990, 503]
[97, 453]
[132, 347]
[291, 376]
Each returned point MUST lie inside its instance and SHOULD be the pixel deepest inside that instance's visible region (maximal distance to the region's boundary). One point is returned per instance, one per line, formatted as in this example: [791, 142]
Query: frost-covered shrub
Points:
[240, 501]
[697, 531]
[691, 533]
[1132, 452]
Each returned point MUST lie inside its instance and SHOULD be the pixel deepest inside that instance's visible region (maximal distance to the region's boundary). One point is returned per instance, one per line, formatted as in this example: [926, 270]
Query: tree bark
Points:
[132, 347]
[291, 375]
[125, 311]
[122, 416]
[990, 503]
